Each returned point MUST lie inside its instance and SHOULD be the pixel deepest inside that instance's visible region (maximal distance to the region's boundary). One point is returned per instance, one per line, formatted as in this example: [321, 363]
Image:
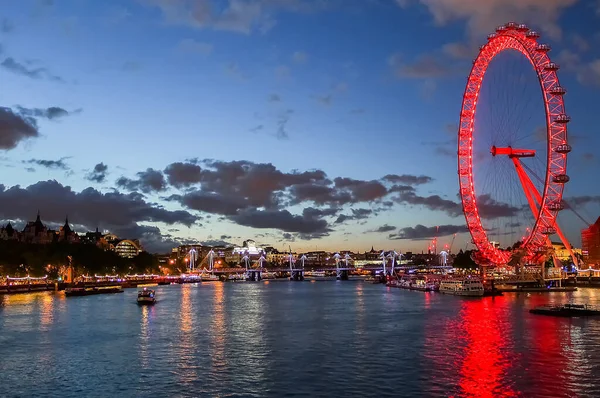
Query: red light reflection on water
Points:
[485, 364]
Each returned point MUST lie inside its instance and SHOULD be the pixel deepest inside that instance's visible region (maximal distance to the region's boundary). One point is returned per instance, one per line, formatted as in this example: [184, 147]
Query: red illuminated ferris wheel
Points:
[511, 175]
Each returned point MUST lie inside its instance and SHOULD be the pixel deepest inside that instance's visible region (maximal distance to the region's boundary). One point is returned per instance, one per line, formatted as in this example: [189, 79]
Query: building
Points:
[561, 252]
[66, 234]
[9, 233]
[590, 244]
[37, 232]
[128, 248]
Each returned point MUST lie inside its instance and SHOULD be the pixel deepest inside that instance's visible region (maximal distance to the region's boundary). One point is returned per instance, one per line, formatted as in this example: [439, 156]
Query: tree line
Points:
[22, 259]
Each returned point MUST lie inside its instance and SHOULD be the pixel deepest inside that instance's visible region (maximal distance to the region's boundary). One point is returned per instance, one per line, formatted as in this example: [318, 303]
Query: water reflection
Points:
[46, 311]
[145, 329]
[188, 368]
[485, 363]
[218, 331]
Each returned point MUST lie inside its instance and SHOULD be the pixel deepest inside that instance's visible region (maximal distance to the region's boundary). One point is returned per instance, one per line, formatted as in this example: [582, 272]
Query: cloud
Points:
[15, 128]
[421, 232]
[357, 214]
[98, 174]
[49, 164]
[6, 26]
[325, 99]
[51, 113]
[183, 174]
[408, 179]
[299, 57]
[482, 17]
[91, 208]
[282, 122]
[282, 220]
[12, 65]
[148, 181]
[458, 50]
[491, 209]
[432, 202]
[195, 47]
[274, 98]
[423, 67]
[383, 229]
[238, 16]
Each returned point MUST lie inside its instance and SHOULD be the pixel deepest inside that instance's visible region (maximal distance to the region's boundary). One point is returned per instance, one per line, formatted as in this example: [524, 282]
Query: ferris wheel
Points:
[512, 148]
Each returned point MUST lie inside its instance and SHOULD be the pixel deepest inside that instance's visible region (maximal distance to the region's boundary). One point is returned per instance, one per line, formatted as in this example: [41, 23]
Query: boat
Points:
[315, 274]
[566, 310]
[209, 278]
[267, 275]
[237, 278]
[89, 291]
[146, 296]
[467, 286]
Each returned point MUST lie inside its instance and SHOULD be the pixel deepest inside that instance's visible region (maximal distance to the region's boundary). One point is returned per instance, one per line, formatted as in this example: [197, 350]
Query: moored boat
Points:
[566, 310]
[146, 296]
[89, 291]
[467, 286]
[209, 278]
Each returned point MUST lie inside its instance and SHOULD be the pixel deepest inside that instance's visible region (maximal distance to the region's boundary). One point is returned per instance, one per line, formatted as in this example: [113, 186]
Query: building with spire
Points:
[37, 232]
[66, 234]
[9, 233]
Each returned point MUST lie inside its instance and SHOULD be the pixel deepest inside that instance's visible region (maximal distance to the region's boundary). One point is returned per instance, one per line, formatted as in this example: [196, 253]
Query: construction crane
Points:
[452, 244]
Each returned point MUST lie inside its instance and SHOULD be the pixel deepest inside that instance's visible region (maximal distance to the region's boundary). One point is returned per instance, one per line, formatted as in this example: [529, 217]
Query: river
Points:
[280, 339]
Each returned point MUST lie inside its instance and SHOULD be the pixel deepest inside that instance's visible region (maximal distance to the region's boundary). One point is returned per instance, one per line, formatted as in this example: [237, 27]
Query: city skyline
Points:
[304, 123]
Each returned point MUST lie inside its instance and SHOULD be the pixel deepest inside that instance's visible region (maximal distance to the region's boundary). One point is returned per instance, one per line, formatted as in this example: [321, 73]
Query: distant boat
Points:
[567, 310]
[467, 286]
[209, 278]
[89, 291]
[146, 297]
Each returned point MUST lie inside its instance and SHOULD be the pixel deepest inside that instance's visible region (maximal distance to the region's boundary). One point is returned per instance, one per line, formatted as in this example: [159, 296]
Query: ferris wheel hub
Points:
[512, 152]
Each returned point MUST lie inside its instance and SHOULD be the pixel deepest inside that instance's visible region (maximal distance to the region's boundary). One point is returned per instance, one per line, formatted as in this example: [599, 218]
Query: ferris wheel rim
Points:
[519, 38]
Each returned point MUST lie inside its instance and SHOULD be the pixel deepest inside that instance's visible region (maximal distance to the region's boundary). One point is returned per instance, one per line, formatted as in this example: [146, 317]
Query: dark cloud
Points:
[579, 201]
[226, 187]
[282, 220]
[319, 193]
[408, 179]
[11, 65]
[357, 214]
[421, 232]
[98, 174]
[51, 113]
[433, 202]
[92, 208]
[362, 191]
[384, 228]
[15, 128]
[224, 237]
[491, 209]
[183, 174]
[49, 164]
[148, 181]
[282, 125]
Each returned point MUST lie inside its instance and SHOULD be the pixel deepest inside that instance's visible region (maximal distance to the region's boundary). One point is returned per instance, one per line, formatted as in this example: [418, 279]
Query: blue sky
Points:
[355, 89]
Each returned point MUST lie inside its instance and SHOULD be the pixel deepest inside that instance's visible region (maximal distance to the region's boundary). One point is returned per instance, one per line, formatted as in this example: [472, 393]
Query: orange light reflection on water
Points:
[218, 328]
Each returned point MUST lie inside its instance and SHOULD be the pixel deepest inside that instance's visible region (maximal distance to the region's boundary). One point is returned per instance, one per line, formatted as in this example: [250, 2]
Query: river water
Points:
[280, 339]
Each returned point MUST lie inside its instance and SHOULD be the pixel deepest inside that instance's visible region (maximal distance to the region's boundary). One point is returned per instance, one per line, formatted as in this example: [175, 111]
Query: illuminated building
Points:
[590, 244]
[128, 248]
[561, 252]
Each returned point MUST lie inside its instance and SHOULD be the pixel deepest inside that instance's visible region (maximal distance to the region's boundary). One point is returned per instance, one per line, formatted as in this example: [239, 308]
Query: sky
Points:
[315, 124]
